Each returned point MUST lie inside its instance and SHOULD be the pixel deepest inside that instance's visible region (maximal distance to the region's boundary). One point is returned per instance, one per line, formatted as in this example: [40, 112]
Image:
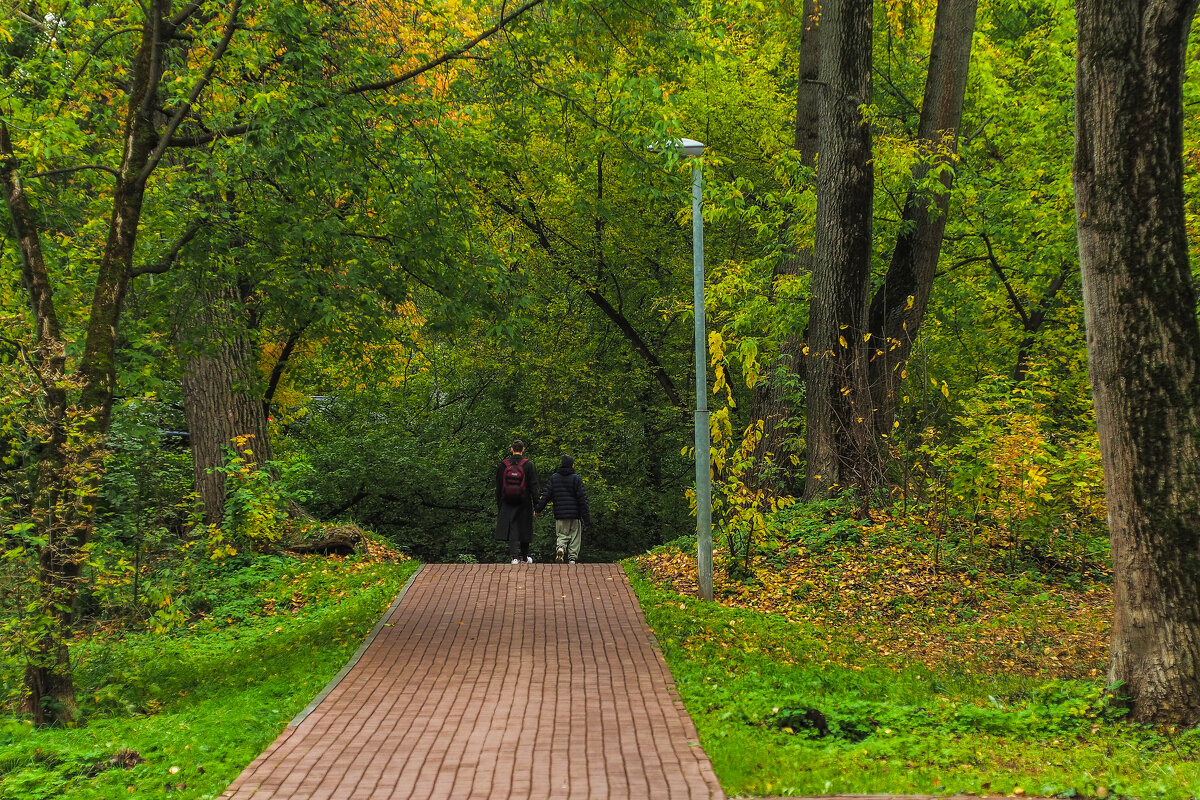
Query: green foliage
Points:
[822, 525]
[782, 711]
[256, 501]
[1021, 469]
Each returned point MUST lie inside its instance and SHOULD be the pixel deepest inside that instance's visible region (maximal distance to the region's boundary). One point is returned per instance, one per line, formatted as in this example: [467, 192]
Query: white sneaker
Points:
[516, 561]
[529, 560]
[572, 561]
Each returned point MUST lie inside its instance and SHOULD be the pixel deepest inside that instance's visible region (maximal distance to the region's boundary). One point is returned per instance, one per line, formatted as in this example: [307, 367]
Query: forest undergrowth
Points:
[890, 588]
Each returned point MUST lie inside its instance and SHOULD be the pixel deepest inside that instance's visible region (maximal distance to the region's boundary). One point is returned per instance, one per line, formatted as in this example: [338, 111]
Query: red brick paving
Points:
[497, 681]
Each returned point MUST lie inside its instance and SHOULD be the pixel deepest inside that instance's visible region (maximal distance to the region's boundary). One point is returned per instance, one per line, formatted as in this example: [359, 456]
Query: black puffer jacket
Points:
[565, 490]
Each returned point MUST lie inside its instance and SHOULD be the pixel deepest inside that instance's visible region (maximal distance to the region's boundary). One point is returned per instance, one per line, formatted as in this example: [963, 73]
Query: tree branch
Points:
[967, 140]
[34, 21]
[412, 73]
[458, 52]
[33, 262]
[896, 91]
[184, 13]
[168, 261]
[165, 139]
[1046, 303]
[280, 366]
[67, 170]
[358, 497]
[538, 228]
[1012, 295]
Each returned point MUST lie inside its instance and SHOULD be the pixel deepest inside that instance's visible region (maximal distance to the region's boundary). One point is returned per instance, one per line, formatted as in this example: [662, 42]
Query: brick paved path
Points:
[497, 681]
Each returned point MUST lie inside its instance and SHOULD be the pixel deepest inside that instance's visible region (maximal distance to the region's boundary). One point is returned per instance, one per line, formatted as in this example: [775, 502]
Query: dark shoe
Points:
[558, 556]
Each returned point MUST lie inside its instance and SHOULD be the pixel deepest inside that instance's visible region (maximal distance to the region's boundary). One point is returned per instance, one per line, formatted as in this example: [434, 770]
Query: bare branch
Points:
[34, 21]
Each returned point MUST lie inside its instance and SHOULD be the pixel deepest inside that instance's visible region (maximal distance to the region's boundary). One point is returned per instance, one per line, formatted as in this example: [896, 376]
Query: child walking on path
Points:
[565, 490]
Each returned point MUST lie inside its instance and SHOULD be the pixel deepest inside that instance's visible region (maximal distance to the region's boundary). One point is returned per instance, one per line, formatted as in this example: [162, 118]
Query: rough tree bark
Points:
[222, 394]
[894, 318]
[769, 401]
[1143, 340]
[840, 442]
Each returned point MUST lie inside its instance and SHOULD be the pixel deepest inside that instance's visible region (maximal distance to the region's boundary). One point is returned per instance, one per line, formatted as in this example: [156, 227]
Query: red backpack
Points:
[512, 484]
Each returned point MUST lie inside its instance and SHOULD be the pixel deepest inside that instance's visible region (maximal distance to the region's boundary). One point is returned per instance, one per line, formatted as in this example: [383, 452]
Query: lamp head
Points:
[688, 147]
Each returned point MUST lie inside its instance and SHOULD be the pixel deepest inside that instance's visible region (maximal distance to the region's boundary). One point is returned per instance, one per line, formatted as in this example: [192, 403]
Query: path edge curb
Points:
[362, 648]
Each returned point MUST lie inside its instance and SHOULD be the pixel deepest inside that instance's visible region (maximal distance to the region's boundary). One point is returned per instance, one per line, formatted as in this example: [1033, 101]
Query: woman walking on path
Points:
[516, 486]
[565, 490]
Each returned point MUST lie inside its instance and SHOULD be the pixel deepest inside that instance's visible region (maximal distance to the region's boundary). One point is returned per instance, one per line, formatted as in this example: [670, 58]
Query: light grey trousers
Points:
[569, 536]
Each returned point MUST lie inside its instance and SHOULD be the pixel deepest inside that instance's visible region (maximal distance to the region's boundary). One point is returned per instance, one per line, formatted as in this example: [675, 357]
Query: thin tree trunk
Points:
[1143, 340]
[50, 693]
[839, 437]
[898, 307]
[68, 475]
[769, 401]
[222, 395]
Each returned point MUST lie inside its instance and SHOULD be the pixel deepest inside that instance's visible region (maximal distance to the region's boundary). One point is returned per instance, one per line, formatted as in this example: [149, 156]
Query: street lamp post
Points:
[704, 542]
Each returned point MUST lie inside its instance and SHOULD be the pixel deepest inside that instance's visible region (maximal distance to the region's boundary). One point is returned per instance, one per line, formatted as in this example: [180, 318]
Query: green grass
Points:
[749, 680]
[199, 704]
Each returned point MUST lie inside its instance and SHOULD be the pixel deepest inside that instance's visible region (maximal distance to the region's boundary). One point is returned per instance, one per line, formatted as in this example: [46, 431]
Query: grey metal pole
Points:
[704, 542]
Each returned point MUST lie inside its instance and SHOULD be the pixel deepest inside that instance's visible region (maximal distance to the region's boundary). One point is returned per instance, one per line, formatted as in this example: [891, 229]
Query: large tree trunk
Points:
[840, 441]
[769, 401]
[899, 306]
[1143, 340]
[222, 394]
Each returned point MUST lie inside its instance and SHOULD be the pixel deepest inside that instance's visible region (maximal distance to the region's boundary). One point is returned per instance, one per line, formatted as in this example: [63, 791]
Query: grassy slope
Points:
[927, 680]
[199, 704]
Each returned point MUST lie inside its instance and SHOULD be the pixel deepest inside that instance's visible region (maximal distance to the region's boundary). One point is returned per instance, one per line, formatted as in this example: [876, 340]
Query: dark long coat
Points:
[520, 513]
